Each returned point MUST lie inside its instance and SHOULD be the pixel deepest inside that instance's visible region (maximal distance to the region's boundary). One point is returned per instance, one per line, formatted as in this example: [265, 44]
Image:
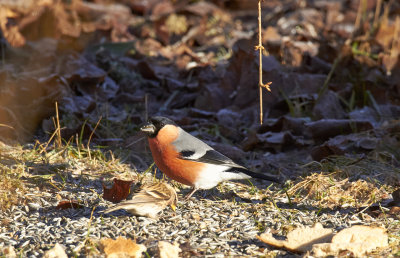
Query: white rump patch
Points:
[212, 175]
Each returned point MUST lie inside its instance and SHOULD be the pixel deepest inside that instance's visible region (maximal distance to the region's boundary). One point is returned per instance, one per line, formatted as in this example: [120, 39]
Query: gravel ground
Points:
[212, 227]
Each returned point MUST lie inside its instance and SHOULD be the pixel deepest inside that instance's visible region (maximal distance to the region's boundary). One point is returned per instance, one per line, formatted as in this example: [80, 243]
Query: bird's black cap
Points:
[154, 124]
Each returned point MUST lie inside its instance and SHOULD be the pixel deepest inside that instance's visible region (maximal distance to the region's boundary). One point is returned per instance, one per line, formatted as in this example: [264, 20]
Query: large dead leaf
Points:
[121, 247]
[301, 239]
[343, 144]
[326, 128]
[358, 239]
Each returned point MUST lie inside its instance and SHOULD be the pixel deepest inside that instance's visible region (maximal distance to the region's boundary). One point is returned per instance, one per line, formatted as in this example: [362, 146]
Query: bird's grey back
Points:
[187, 142]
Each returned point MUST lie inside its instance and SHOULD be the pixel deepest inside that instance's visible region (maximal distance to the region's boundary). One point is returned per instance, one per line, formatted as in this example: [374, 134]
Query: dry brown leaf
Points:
[385, 33]
[57, 251]
[11, 33]
[390, 60]
[301, 239]
[119, 191]
[121, 247]
[358, 239]
[68, 204]
[168, 250]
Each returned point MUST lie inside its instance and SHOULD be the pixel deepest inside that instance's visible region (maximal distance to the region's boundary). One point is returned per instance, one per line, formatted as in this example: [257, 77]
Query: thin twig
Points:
[260, 49]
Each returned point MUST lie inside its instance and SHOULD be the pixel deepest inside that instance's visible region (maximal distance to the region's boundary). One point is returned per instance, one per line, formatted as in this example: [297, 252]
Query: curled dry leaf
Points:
[119, 191]
[168, 250]
[358, 239]
[301, 239]
[326, 128]
[121, 247]
[63, 205]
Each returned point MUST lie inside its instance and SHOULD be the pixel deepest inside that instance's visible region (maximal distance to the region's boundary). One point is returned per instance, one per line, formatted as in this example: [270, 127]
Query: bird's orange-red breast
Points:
[167, 158]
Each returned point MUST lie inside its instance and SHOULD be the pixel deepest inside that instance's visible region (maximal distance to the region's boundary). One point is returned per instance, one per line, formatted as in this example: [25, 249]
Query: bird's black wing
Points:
[210, 156]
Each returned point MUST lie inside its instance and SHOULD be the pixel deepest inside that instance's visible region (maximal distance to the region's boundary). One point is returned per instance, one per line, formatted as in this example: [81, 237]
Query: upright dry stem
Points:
[260, 48]
[58, 129]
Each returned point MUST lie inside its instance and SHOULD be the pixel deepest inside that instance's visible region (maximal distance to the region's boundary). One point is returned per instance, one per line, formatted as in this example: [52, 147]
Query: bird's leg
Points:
[190, 194]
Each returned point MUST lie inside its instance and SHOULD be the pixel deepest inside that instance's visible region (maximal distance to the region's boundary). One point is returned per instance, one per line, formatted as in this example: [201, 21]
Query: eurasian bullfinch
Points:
[189, 160]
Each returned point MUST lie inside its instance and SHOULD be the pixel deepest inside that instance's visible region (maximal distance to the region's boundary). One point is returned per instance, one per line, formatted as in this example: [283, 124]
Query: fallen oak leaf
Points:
[301, 239]
[121, 247]
[357, 239]
[63, 205]
[119, 191]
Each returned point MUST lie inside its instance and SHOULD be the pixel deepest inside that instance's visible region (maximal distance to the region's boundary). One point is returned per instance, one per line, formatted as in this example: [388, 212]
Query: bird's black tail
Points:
[268, 177]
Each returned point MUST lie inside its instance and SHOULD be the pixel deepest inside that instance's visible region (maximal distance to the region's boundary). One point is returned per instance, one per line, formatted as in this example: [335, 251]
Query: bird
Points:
[149, 200]
[190, 161]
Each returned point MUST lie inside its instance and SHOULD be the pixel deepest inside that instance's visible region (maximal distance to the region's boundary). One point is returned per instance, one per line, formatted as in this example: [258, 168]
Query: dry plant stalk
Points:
[260, 48]
[361, 9]
[377, 13]
[56, 133]
[58, 130]
[91, 135]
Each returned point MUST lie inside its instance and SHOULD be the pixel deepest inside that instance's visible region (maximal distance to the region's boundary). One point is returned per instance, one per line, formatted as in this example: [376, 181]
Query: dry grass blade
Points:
[90, 137]
[8, 126]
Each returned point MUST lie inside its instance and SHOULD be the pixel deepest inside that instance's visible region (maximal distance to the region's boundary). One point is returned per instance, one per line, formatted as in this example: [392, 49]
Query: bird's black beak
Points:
[148, 128]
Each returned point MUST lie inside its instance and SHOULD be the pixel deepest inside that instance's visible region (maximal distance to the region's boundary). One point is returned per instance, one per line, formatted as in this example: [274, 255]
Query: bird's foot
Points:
[187, 197]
